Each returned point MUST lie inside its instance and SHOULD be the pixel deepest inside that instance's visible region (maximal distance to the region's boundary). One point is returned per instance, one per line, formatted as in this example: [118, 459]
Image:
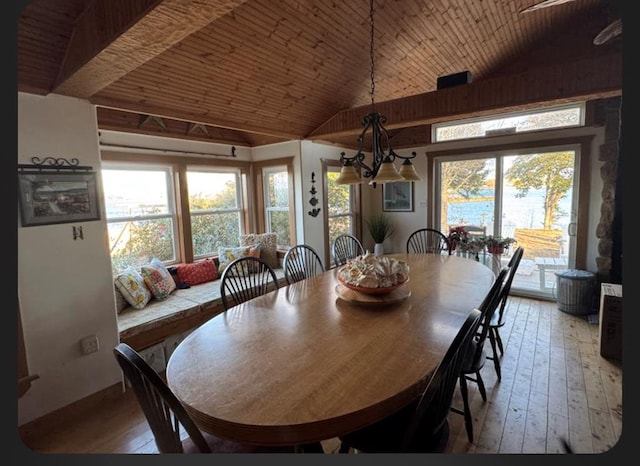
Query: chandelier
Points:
[382, 168]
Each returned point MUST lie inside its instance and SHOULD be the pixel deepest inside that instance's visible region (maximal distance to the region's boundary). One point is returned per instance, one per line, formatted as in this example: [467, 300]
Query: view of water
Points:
[526, 212]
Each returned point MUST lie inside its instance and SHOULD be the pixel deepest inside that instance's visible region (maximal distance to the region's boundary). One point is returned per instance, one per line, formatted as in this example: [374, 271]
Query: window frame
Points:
[329, 165]
[260, 211]
[172, 211]
[240, 203]
[179, 164]
[580, 106]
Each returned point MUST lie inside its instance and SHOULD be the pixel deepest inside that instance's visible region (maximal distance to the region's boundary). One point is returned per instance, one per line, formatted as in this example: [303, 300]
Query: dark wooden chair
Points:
[475, 357]
[428, 240]
[167, 418]
[246, 278]
[422, 426]
[346, 247]
[300, 262]
[498, 319]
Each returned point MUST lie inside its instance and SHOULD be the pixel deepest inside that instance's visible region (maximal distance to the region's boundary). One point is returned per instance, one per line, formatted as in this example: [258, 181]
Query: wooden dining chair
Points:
[301, 262]
[428, 240]
[173, 429]
[246, 278]
[346, 247]
[498, 319]
[475, 356]
[422, 426]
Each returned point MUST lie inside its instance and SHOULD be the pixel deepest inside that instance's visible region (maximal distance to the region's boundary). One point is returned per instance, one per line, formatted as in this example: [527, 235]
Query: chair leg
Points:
[499, 341]
[480, 382]
[495, 358]
[468, 422]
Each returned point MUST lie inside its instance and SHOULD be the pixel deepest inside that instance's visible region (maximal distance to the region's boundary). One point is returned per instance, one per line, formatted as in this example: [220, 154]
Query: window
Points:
[341, 203]
[276, 203]
[215, 206]
[141, 215]
[274, 199]
[175, 209]
[548, 118]
[522, 193]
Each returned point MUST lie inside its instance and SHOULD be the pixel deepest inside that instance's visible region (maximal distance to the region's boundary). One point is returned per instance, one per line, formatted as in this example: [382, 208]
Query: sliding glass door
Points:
[526, 195]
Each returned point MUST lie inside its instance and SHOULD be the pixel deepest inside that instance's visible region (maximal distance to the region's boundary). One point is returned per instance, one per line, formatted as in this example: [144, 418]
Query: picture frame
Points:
[397, 196]
[47, 198]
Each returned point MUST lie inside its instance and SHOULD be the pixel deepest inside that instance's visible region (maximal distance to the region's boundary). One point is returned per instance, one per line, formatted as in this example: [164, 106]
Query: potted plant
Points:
[457, 236]
[380, 228]
[498, 244]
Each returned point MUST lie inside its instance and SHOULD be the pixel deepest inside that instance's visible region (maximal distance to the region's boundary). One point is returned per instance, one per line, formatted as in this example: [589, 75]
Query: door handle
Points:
[571, 229]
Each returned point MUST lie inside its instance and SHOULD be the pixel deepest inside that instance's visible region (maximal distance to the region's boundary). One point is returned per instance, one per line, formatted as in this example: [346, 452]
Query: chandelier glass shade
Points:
[382, 168]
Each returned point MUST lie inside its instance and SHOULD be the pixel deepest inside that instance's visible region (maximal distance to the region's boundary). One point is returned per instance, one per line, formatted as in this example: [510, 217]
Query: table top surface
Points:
[300, 364]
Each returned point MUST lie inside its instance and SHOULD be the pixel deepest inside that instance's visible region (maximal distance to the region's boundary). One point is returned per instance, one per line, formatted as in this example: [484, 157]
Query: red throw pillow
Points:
[197, 272]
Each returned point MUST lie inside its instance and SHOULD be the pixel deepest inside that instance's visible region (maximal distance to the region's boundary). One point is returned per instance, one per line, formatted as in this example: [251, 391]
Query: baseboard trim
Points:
[40, 426]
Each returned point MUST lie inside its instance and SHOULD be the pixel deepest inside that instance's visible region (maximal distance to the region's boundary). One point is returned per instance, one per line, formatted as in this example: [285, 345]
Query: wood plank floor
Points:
[554, 385]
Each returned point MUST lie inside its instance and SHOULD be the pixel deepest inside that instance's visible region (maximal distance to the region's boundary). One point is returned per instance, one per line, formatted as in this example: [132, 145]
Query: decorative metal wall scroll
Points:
[57, 190]
[314, 200]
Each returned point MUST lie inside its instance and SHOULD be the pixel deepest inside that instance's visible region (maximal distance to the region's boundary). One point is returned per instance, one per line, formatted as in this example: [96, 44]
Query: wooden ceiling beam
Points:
[591, 78]
[113, 37]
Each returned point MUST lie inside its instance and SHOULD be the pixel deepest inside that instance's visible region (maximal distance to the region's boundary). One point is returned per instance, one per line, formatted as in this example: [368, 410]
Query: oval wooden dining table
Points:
[300, 364]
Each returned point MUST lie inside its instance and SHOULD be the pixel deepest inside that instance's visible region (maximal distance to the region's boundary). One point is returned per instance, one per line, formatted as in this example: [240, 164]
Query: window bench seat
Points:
[173, 317]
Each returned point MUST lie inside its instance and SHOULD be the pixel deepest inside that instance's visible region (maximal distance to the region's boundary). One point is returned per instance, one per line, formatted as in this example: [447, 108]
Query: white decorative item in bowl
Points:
[371, 274]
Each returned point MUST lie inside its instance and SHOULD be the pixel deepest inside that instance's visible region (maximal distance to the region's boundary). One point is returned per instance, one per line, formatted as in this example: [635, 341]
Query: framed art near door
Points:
[397, 196]
[57, 197]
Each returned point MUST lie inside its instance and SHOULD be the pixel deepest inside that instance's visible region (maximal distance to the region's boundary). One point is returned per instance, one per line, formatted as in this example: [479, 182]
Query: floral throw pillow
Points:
[226, 255]
[197, 272]
[268, 246]
[131, 284]
[158, 279]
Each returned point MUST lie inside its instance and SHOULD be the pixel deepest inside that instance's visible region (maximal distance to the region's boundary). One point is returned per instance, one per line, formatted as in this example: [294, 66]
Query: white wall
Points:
[143, 143]
[404, 223]
[311, 161]
[64, 286]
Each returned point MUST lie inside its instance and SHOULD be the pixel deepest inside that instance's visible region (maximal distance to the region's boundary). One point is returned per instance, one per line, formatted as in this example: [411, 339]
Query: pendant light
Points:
[382, 168]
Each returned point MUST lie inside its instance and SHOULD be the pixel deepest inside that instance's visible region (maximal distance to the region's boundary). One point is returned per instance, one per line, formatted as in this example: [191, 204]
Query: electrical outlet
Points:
[89, 344]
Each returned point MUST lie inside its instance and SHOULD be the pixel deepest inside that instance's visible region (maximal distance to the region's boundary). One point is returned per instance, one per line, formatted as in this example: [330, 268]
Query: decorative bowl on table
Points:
[371, 274]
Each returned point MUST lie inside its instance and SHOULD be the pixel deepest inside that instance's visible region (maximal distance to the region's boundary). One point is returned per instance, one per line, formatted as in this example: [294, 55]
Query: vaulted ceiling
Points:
[253, 72]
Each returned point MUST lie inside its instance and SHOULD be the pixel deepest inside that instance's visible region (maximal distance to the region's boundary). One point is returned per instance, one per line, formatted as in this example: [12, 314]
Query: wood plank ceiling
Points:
[261, 71]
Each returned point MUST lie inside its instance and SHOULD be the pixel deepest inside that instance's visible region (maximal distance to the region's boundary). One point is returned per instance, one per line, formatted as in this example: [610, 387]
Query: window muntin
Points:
[566, 116]
[215, 207]
[141, 214]
[277, 202]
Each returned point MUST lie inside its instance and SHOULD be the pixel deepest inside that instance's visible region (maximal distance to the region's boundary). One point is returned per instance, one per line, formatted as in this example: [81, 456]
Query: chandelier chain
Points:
[371, 55]
[382, 168]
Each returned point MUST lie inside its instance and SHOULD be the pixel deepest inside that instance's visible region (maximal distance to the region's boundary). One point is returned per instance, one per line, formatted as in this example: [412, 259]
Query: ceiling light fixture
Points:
[382, 169]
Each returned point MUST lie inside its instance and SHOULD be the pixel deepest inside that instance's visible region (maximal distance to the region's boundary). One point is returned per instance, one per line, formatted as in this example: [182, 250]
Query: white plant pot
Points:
[378, 249]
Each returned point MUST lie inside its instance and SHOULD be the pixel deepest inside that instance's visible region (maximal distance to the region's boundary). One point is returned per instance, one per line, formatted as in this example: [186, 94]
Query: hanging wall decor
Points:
[56, 190]
[314, 200]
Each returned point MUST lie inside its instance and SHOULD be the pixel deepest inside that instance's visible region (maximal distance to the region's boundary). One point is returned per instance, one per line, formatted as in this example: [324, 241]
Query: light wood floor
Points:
[554, 385]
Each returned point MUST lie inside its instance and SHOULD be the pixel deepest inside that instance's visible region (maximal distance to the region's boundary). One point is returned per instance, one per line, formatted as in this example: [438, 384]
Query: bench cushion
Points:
[180, 304]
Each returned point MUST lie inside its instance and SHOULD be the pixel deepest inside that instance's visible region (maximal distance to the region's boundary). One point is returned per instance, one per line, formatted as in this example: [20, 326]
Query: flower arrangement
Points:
[498, 244]
[371, 271]
[459, 238]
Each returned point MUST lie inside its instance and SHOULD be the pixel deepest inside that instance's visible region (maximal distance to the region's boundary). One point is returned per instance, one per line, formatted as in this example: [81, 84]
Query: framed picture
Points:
[397, 196]
[56, 197]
